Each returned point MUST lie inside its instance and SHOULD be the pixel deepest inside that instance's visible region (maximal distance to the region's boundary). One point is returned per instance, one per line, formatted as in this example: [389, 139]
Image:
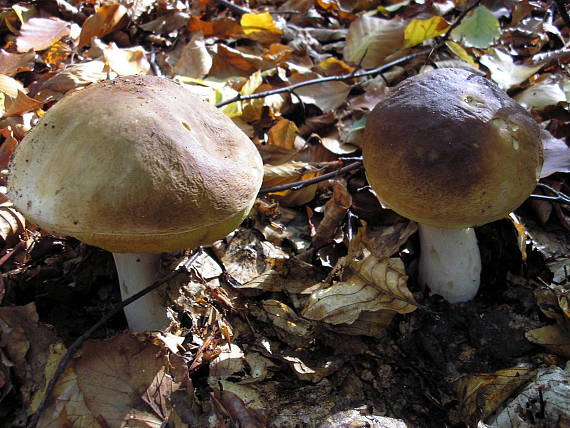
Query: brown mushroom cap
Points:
[450, 149]
[137, 164]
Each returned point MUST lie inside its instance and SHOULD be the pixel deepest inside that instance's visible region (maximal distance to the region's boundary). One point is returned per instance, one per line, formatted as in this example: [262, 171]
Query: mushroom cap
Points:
[137, 164]
[449, 148]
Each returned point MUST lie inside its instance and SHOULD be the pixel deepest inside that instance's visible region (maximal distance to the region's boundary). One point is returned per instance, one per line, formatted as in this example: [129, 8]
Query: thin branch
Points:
[81, 339]
[352, 75]
[234, 7]
[298, 185]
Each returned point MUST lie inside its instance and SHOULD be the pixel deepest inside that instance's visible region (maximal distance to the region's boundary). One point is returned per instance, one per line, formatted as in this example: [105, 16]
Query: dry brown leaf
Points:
[126, 62]
[285, 318]
[13, 63]
[335, 212]
[336, 8]
[167, 23]
[20, 105]
[38, 34]
[119, 381]
[194, 60]
[288, 173]
[314, 370]
[103, 22]
[481, 394]
[75, 76]
[8, 146]
[367, 324]
[553, 337]
[370, 40]
[327, 95]
[12, 225]
[372, 285]
[230, 360]
[556, 155]
[333, 67]
[387, 240]
[25, 344]
[241, 415]
[220, 27]
[10, 86]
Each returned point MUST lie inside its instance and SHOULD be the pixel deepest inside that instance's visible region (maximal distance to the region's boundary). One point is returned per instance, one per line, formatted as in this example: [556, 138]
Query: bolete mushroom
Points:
[450, 150]
[138, 166]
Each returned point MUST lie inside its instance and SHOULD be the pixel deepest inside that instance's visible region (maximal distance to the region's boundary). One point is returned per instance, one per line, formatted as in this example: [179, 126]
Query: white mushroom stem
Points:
[450, 262]
[136, 272]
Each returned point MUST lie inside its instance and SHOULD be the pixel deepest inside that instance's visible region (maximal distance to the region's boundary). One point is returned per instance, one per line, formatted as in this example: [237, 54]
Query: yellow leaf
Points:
[419, 30]
[226, 93]
[461, 53]
[256, 22]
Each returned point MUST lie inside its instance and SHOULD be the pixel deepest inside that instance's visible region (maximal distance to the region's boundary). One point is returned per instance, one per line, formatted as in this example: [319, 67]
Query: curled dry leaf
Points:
[8, 146]
[386, 240]
[126, 62]
[370, 40]
[230, 360]
[327, 95]
[12, 225]
[10, 86]
[335, 212]
[20, 104]
[556, 155]
[103, 22]
[194, 60]
[315, 370]
[25, 348]
[481, 394]
[75, 76]
[13, 63]
[228, 403]
[38, 34]
[119, 381]
[285, 318]
[372, 285]
[545, 399]
[503, 69]
[556, 337]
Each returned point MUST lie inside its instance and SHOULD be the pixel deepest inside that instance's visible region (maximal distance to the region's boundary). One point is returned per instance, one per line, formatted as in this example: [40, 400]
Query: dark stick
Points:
[291, 88]
[81, 339]
[297, 185]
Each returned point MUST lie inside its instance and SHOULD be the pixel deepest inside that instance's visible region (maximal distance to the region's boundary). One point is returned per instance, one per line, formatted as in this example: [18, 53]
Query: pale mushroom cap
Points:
[136, 164]
[450, 149]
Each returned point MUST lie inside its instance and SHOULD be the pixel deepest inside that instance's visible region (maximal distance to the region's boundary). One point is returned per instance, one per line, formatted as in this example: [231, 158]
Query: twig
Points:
[456, 23]
[234, 7]
[297, 185]
[559, 196]
[352, 75]
[81, 339]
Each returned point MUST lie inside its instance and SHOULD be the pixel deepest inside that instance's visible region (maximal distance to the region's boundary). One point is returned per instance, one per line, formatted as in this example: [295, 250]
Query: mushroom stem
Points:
[136, 272]
[450, 262]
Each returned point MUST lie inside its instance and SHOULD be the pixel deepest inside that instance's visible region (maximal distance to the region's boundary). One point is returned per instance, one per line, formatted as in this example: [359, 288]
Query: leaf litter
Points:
[308, 315]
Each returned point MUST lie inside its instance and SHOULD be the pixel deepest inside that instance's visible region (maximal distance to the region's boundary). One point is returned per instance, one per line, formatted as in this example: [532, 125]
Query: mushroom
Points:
[137, 165]
[450, 150]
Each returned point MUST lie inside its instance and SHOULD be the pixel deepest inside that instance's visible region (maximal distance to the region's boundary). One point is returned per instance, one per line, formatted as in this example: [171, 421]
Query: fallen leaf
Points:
[10, 86]
[478, 29]
[420, 30]
[126, 62]
[21, 104]
[195, 60]
[544, 93]
[13, 63]
[326, 95]
[75, 76]
[38, 34]
[503, 69]
[481, 394]
[252, 23]
[372, 285]
[103, 22]
[370, 40]
[556, 155]
[284, 318]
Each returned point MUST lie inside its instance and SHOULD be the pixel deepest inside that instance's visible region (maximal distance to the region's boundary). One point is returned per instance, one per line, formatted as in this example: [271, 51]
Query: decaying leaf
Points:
[75, 76]
[386, 241]
[556, 155]
[372, 285]
[231, 404]
[38, 34]
[335, 212]
[546, 399]
[556, 337]
[25, 344]
[126, 62]
[503, 69]
[285, 319]
[230, 360]
[12, 225]
[117, 381]
[103, 22]
[370, 40]
[327, 95]
[13, 63]
[20, 104]
[312, 371]
[481, 394]
[194, 60]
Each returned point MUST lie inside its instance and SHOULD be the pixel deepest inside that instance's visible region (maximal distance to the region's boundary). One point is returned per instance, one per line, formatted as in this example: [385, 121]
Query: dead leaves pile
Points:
[318, 263]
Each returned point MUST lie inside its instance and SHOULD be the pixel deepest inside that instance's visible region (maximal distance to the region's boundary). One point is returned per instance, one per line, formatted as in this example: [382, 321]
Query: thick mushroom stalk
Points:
[136, 272]
[450, 262]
